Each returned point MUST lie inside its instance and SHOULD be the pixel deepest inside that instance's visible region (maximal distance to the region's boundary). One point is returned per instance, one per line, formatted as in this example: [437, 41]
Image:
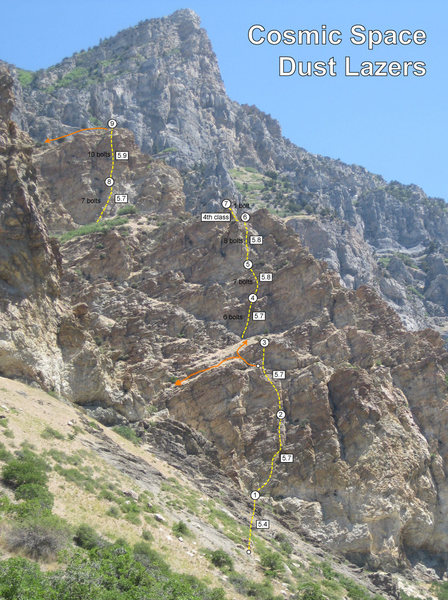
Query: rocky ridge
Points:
[161, 80]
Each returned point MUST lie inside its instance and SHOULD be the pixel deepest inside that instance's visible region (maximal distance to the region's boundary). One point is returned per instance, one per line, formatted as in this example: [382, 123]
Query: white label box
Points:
[215, 217]
[122, 155]
[265, 276]
[256, 239]
[278, 374]
[259, 316]
[121, 198]
[262, 524]
[286, 458]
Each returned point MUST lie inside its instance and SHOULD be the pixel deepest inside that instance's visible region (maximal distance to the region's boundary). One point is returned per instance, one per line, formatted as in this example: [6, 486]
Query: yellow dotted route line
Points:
[234, 215]
[280, 445]
[252, 271]
[111, 173]
[250, 307]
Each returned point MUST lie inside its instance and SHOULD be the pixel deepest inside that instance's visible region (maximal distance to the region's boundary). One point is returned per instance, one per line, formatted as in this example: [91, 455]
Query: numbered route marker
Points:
[264, 342]
[226, 203]
[259, 316]
[253, 298]
[109, 182]
[281, 414]
[265, 276]
[248, 264]
[278, 374]
[245, 217]
[256, 239]
[112, 123]
[122, 155]
[286, 458]
[262, 524]
[121, 198]
[255, 495]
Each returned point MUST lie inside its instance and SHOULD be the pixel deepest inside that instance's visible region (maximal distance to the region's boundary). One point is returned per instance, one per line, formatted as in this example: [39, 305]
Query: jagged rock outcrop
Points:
[40, 338]
[161, 80]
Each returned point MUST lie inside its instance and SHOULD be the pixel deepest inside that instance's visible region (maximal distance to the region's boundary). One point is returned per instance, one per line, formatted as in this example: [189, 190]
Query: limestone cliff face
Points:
[161, 80]
[40, 339]
[29, 260]
[366, 401]
[123, 313]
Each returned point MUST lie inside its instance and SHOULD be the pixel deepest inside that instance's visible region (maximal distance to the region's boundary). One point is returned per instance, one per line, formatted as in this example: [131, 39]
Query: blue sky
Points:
[396, 127]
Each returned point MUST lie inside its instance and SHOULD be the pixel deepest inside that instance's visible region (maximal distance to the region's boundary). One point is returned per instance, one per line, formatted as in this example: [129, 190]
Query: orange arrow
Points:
[73, 132]
[180, 381]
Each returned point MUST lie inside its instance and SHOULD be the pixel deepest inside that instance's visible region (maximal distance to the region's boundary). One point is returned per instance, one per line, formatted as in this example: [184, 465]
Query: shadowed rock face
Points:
[142, 304]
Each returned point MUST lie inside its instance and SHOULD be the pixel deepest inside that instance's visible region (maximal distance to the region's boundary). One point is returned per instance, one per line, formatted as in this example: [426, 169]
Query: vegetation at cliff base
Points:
[102, 227]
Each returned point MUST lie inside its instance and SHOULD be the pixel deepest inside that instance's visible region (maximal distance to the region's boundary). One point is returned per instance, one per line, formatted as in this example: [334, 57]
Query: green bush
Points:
[35, 491]
[49, 433]
[110, 573]
[147, 536]
[284, 542]
[78, 477]
[39, 537]
[113, 512]
[5, 455]
[221, 559]
[251, 589]
[102, 227]
[180, 528]
[86, 537]
[354, 591]
[127, 432]
[29, 468]
[129, 209]
[25, 77]
[311, 591]
[272, 563]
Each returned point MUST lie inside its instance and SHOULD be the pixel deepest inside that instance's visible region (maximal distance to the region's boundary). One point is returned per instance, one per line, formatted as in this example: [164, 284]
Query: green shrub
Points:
[285, 544]
[35, 491]
[272, 563]
[147, 536]
[27, 469]
[221, 559]
[25, 77]
[251, 589]
[127, 432]
[129, 209]
[38, 537]
[113, 512]
[86, 537]
[102, 227]
[180, 528]
[76, 476]
[109, 573]
[49, 433]
[354, 591]
[311, 591]
[5, 455]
